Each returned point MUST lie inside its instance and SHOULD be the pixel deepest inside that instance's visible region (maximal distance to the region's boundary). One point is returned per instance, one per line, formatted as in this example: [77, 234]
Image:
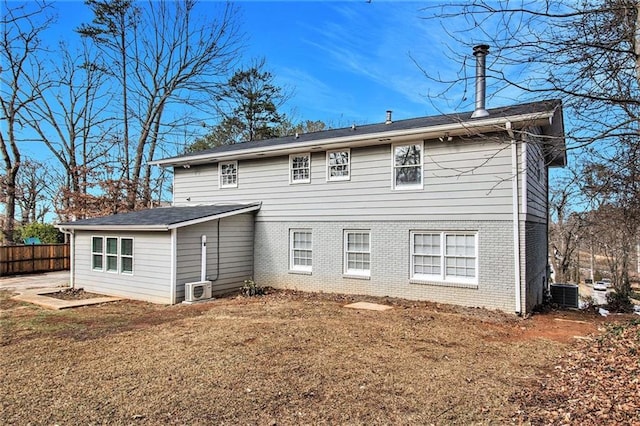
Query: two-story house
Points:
[449, 208]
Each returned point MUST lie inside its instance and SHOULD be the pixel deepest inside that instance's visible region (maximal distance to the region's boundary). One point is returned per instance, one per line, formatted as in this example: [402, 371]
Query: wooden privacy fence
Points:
[33, 258]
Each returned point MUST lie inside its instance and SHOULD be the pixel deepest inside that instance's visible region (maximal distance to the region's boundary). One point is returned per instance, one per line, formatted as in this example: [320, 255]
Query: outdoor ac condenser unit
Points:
[565, 295]
[196, 291]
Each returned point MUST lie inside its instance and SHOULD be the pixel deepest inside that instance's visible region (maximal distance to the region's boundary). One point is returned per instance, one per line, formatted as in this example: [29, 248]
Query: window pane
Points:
[112, 246]
[127, 264]
[126, 247]
[408, 175]
[112, 263]
[97, 261]
[97, 244]
[407, 155]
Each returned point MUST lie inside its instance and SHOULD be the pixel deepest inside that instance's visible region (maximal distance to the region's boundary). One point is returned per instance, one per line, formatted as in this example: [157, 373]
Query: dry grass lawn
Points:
[284, 358]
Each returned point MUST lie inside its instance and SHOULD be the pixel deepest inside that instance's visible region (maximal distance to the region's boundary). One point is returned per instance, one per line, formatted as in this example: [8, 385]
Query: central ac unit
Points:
[194, 292]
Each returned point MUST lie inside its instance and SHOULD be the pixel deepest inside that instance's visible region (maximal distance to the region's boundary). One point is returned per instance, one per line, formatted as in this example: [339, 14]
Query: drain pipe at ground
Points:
[71, 235]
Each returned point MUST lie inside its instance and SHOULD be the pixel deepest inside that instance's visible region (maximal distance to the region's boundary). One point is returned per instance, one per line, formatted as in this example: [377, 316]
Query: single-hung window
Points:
[300, 250]
[338, 165]
[357, 253]
[300, 168]
[97, 252]
[228, 173]
[112, 254]
[427, 254]
[126, 255]
[407, 166]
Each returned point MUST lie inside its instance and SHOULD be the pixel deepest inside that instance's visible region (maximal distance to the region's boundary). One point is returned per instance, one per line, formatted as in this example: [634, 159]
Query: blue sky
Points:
[346, 62]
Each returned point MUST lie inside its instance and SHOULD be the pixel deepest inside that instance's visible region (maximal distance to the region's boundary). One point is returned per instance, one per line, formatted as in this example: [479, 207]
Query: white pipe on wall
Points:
[203, 265]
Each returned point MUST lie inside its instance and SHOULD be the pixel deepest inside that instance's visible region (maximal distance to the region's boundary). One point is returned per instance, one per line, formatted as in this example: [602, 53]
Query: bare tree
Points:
[21, 80]
[33, 191]
[162, 55]
[70, 116]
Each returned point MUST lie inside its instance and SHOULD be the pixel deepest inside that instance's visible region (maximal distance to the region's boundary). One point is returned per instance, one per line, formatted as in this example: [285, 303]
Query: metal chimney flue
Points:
[388, 119]
[480, 52]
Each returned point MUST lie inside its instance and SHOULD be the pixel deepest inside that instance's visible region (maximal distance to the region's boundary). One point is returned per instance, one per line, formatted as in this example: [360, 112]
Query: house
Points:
[449, 208]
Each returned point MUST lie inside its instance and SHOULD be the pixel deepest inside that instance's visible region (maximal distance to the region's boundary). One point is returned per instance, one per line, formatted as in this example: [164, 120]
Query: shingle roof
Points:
[414, 123]
[161, 217]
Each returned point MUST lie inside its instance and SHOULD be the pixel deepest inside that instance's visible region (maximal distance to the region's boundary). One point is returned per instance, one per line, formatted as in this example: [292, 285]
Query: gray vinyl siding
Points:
[536, 260]
[463, 180]
[151, 278]
[235, 262]
[536, 176]
[390, 261]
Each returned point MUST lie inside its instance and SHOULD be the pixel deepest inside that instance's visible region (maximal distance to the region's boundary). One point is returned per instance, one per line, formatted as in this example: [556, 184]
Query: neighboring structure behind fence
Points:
[33, 258]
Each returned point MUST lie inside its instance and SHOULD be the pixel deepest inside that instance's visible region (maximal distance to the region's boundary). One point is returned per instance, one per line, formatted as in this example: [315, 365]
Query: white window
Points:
[407, 166]
[112, 254]
[357, 253]
[300, 168]
[228, 174]
[97, 254]
[338, 165]
[126, 255]
[444, 256]
[301, 250]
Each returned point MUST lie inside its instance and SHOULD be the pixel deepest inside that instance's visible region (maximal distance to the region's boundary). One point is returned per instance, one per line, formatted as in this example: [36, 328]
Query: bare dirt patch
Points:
[284, 358]
[72, 294]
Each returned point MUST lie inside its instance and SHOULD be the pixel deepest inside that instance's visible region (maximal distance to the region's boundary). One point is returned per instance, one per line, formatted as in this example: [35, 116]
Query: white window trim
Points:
[393, 168]
[328, 166]
[442, 277]
[108, 255]
[355, 272]
[121, 256]
[93, 253]
[292, 266]
[118, 255]
[295, 182]
[220, 176]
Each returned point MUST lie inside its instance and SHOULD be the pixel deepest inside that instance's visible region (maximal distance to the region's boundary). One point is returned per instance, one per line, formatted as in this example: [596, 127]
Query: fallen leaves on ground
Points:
[596, 383]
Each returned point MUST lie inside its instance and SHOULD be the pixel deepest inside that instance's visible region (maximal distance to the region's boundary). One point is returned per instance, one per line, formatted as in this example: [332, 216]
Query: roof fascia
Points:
[431, 132]
[248, 209]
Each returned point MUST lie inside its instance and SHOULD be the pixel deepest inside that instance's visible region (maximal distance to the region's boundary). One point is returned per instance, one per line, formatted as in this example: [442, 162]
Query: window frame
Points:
[122, 256]
[95, 253]
[329, 166]
[293, 181]
[221, 175]
[345, 249]
[420, 166]
[108, 255]
[292, 251]
[443, 276]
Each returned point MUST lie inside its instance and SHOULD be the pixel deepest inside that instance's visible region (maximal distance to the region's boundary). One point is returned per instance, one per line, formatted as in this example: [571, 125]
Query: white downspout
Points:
[516, 219]
[203, 257]
[174, 262]
[72, 251]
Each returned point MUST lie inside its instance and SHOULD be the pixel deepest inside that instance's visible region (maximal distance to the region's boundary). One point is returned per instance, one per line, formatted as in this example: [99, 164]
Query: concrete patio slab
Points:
[368, 306]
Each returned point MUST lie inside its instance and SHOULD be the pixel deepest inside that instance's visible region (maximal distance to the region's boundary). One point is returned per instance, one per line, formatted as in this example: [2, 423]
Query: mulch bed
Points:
[73, 294]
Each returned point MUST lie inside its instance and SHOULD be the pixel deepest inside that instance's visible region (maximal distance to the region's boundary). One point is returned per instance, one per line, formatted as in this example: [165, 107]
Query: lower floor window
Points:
[300, 250]
[444, 256]
[357, 253]
[112, 254]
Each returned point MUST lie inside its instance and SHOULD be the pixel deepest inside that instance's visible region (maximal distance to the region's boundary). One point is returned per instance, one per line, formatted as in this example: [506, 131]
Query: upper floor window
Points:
[300, 168]
[228, 174]
[338, 165]
[407, 166]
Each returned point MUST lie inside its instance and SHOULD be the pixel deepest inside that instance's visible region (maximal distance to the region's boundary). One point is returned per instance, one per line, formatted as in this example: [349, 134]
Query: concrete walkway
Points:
[25, 282]
[34, 289]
